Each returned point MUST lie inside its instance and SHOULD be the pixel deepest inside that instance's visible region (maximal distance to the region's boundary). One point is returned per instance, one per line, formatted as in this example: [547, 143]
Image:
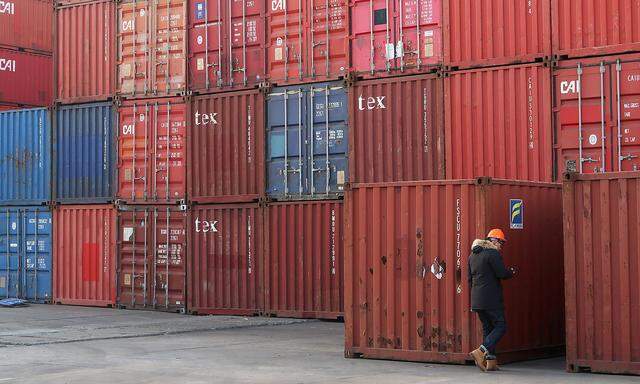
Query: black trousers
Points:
[494, 327]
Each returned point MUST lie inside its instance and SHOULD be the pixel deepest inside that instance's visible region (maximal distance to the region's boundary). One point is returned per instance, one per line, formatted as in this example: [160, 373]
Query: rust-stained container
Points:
[152, 48]
[152, 151]
[584, 28]
[596, 114]
[386, 38]
[499, 123]
[84, 255]
[495, 32]
[152, 265]
[84, 52]
[26, 78]
[602, 270]
[308, 40]
[27, 24]
[226, 147]
[396, 129]
[226, 44]
[406, 265]
[304, 260]
[226, 260]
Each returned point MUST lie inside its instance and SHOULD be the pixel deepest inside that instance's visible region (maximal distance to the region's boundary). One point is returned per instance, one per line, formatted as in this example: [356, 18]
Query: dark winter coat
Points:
[486, 269]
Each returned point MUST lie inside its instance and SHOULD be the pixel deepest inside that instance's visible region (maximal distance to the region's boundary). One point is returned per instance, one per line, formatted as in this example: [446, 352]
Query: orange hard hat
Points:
[497, 234]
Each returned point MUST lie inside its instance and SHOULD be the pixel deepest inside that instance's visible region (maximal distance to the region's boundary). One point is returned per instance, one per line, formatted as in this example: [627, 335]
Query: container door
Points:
[373, 46]
[135, 260]
[206, 37]
[11, 232]
[626, 86]
[134, 48]
[245, 39]
[135, 160]
[287, 132]
[286, 34]
[328, 142]
[168, 152]
[169, 278]
[327, 38]
[418, 43]
[168, 63]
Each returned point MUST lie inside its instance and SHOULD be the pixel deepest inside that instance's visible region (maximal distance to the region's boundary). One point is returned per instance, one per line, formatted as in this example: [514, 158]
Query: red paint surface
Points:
[396, 308]
[225, 50]
[84, 255]
[304, 260]
[499, 123]
[226, 259]
[152, 242]
[226, 147]
[608, 103]
[601, 247]
[27, 24]
[25, 78]
[589, 28]
[152, 151]
[396, 127]
[85, 51]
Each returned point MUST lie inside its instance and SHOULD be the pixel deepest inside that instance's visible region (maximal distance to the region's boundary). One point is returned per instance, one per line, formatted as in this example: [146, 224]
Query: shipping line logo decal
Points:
[370, 102]
[7, 65]
[567, 87]
[516, 209]
[7, 7]
[207, 226]
[206, 118]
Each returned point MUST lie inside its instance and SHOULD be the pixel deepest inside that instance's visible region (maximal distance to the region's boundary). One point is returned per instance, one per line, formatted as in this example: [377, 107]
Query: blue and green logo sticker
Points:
[516, 209]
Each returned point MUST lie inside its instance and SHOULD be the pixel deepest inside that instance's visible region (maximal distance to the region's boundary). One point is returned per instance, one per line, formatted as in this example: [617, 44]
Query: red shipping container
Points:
[396, 129]
[592, 28]
[84, 255]
[388, 40]
[226, 259]
[406, 265]
[152, 48]
[304, 260]
[27, 24]
[26, 78]
[226, 147]
[496, 32]
[85, 51]
[499, 123]
[597, 111]
[226, 44]
[308, 40]
[151, 257]
[151, 151]
[602, 272]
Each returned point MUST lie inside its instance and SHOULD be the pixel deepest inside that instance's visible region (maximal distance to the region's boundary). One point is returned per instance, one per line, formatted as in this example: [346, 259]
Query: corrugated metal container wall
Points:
[597, 111]
[85, 155]
[496, 32]
[382, 45]
[85, 51]
[226, 147]
[602, 270]
[84, 255]
[25, 157]
[25, 253]
[151, 151]
[152, 48]
[308, 40]
[307, 141]
[25, 78]
[304, 260]
[396, 235]
[499, 123]
[397, 130]
[152, 265]
[592, 28]
[226, 259]
[226, 44]
[27, 24]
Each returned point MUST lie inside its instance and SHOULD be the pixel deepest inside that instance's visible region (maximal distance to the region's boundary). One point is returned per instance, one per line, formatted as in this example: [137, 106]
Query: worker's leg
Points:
[499, 328]
[487, 324]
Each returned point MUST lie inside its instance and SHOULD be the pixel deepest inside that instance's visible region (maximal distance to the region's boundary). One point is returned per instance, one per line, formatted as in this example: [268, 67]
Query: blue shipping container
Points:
[301, 161]
[84, 153]
[25, 157]
[25, 253]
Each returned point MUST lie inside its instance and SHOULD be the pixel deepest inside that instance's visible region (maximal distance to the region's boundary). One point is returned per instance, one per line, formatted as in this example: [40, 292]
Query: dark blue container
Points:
[25, 157]
[85, 153]
[301, 161]
[25, 253]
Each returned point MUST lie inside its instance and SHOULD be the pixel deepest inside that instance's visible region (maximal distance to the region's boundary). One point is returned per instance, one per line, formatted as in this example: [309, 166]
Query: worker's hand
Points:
[514, 271]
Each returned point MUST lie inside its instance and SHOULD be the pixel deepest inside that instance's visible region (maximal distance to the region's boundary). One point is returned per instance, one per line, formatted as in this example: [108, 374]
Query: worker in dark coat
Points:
[486, 270]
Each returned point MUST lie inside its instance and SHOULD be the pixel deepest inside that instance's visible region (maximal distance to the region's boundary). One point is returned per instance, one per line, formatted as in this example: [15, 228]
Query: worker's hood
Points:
[481, 244]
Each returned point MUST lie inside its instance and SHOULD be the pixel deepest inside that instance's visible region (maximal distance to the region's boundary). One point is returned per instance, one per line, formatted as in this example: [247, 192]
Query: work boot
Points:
[492, 363]
[479, 356]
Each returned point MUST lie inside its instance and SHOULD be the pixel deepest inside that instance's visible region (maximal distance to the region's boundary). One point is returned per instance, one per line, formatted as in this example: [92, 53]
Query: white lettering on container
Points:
[7, 65]
[278, 5]
[633, 78]
[207, 226]
[458, 241]
[370, 103]
[206, 118]
[569, 87]
[7, 7]
[530, 113]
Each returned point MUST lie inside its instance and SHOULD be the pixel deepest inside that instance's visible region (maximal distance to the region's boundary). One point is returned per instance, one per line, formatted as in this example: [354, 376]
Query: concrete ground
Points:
[57, 344]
